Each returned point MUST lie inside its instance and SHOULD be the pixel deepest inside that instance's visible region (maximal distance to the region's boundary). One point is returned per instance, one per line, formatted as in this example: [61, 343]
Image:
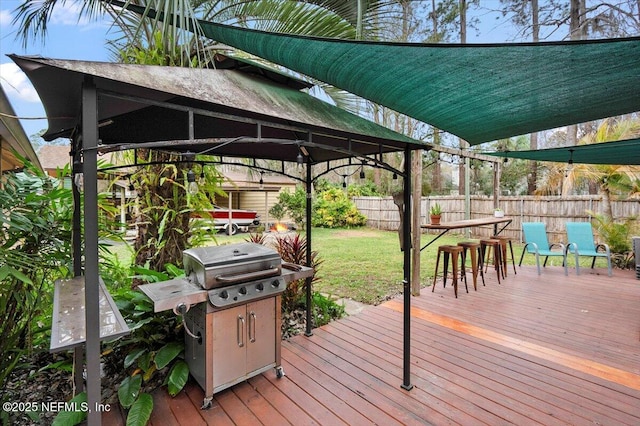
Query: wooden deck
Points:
[548, 350]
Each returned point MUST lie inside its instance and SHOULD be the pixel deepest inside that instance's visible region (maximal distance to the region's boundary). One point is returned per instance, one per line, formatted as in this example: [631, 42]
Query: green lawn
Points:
[366, 264]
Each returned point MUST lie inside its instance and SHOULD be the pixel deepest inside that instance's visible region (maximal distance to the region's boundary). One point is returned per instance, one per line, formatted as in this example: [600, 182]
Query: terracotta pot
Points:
[435, 219]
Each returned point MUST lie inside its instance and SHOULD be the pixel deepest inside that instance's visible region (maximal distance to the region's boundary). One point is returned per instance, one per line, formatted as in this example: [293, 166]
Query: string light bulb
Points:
[78, 180]
[192, 185]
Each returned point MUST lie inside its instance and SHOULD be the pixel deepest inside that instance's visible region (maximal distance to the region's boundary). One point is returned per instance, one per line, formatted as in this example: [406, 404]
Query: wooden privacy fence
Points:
[382, 213]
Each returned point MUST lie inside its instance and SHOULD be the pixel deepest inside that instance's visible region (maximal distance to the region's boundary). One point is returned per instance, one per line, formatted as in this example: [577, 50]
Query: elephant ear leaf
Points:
[65, 418]
[140, 411]
[167, 353]
[129, 390]
[177, 377]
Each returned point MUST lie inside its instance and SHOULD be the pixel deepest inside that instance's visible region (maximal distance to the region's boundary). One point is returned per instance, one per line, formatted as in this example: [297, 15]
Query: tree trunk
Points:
[532, 179]
[163, 228]
[462, 169]
[398, 200]
[416, 214]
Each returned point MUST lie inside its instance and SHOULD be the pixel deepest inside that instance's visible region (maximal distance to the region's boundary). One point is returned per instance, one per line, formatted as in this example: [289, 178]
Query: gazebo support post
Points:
[76, 252]
[308, 331]
[92, 296]
[406, 282]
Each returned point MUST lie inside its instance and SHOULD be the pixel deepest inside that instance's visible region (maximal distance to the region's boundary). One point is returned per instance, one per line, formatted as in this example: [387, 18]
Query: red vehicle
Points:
[238, 219]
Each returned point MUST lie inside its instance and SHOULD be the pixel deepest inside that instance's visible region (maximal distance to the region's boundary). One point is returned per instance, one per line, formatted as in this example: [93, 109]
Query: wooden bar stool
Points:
[486, 245]
[476, 260]
[453, 252]
[504, 241]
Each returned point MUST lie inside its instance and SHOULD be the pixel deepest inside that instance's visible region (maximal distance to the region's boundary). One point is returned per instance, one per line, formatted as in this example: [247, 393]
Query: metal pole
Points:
[467, 193]
[406, 283]
[308, 331]
[76, 253]
[92, 296]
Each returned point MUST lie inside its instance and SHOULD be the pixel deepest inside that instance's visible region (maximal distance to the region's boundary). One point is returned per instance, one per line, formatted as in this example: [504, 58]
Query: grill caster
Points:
[206, 403]
[279, 372]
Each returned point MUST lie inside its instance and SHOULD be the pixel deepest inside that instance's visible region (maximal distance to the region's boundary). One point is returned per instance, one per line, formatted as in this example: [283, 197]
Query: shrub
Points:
[295, 205]
[333, 209]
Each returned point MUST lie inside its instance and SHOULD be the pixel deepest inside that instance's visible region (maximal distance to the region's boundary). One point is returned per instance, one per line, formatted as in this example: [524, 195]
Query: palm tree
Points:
[145, 40]
[609, 180]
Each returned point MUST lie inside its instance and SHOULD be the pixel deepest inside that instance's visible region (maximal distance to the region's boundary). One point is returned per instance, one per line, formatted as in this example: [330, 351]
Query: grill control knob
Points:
[259, 286]
[242, 290]
[224, 294]
[275, 283]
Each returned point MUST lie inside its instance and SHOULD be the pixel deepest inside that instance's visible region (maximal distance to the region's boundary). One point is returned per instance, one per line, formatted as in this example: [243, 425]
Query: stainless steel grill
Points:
[230, 301]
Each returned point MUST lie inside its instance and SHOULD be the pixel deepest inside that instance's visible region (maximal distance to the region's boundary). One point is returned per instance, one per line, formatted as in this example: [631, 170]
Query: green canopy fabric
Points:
[478, 92]
[625, 152]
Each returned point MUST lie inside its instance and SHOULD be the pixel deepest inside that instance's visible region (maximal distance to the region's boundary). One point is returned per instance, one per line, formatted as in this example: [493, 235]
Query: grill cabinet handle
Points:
[252, 327]
[229, 279]
[240, 331]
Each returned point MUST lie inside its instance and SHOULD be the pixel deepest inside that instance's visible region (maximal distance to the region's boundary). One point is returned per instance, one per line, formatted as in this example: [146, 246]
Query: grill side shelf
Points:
[167, 295]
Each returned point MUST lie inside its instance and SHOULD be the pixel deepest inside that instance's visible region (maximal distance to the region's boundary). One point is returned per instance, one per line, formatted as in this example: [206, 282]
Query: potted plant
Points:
[435, 212]
[498, 212]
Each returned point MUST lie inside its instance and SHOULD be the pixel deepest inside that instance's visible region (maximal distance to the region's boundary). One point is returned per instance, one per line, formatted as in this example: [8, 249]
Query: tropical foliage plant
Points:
[617, 235]
[293, 249]
[35, 250]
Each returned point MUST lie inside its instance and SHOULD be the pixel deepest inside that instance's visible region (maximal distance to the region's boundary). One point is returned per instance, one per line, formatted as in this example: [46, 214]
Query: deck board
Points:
[548, 350]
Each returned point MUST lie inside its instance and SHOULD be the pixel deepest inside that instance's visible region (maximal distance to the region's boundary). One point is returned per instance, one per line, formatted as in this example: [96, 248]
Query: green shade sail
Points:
[625, 152]
[478, 92]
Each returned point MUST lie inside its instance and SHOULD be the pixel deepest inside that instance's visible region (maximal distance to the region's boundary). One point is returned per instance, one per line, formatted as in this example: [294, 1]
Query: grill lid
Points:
[216, 256]
[216, 266]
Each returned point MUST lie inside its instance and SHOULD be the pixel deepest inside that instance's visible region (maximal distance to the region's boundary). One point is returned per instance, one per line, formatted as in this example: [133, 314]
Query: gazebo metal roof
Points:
[220, 112]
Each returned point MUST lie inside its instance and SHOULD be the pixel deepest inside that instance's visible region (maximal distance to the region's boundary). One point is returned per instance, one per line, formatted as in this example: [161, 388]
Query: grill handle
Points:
[240, 331]
[250, 276]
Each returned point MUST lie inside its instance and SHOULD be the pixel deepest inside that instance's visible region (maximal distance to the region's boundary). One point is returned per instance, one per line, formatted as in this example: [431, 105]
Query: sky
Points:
[67, 39]
[86, 40]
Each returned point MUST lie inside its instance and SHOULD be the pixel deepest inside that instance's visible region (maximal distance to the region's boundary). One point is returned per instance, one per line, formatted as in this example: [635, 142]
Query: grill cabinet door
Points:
[229, 345]
[261, 334]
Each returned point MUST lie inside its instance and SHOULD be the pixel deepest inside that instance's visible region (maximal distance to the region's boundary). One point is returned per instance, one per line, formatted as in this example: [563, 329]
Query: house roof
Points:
[54, 157]
[13, 137]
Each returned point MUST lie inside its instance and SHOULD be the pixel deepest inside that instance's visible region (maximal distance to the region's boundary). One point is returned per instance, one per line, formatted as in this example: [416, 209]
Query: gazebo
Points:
[104, 107]
[477, 92]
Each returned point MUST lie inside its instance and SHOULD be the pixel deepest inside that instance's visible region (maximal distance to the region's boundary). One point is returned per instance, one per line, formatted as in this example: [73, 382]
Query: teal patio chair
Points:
[580, 242]
[536, 243]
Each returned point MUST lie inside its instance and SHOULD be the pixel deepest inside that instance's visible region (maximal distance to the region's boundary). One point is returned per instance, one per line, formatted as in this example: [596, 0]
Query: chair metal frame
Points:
[581, 242]
[537, 243]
